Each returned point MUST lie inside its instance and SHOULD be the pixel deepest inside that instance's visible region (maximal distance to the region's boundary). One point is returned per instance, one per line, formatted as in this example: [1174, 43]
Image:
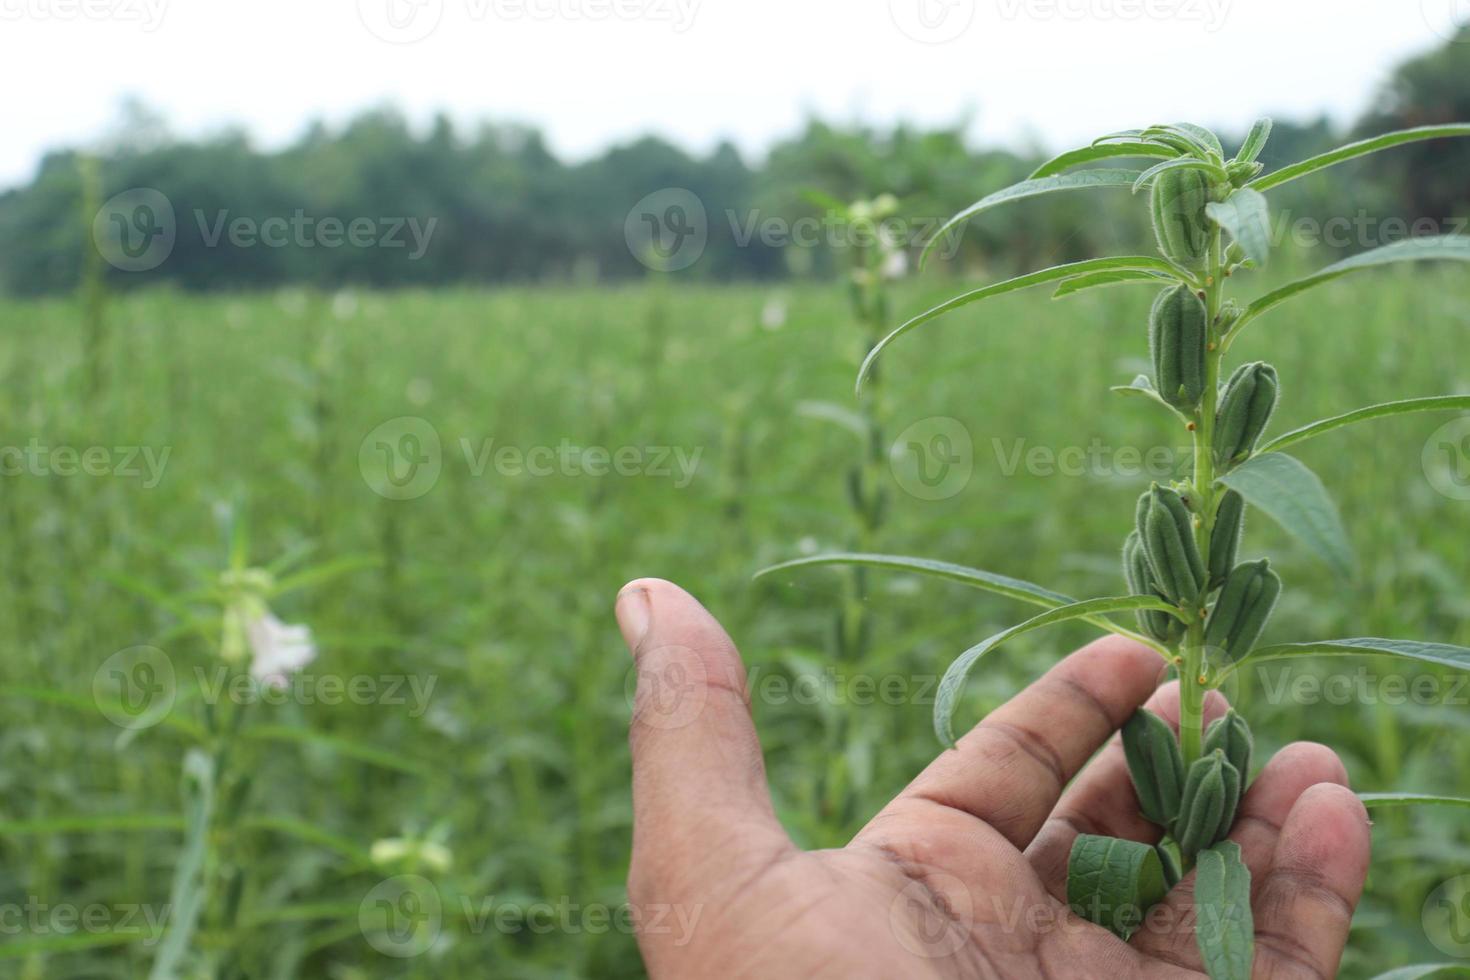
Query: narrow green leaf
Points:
[953, 681]
[1144, 263]
[1143, 387]
[1031, 188]
[350, 748]
[1183, 163]
[53, 945]
[190, 891]
[1011, 588]
[92, 823]
[325, 572]
[1436, 247]
[1418, 971]
[1201, 137]
[1246, 216]
[1256, 141]
[839, 415]
[1374, 801]
[1104, 151]
[1295, 498]
[1354, 150]
[1434, 403]
[1224, 928]
[1113, 882]
[1077, 284]
[1439, 654]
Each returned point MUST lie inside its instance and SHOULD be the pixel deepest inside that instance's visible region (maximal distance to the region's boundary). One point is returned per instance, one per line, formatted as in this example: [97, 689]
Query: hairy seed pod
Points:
[1211, 794]
[1246, 404]
[1166, 528]
[1180, 223]
[1232, 736]
[1155, 766]
[1241, 611]
[1225, 537]
[1172, 871]
[1177, 334]
[1156, 623]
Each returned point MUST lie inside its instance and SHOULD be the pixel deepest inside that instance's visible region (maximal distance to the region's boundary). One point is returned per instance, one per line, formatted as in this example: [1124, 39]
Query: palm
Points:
[963, 873]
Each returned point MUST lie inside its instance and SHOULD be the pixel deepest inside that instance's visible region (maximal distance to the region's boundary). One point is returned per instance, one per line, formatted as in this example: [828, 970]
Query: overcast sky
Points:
[590, 72]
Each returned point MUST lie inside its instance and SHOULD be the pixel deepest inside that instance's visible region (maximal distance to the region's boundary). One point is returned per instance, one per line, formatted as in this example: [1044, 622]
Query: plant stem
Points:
[1192, 672]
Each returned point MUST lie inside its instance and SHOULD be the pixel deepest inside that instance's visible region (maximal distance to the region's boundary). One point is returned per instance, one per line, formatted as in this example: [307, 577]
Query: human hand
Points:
[963, 874]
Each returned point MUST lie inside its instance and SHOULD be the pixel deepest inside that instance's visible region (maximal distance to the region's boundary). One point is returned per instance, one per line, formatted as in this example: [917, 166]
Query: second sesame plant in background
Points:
[1199, 607]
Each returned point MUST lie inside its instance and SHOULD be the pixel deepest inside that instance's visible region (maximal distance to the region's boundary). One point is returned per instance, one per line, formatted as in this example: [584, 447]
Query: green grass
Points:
[500, 587]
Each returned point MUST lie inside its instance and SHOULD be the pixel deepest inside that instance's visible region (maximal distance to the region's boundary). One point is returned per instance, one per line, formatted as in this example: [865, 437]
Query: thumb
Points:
[699, 783]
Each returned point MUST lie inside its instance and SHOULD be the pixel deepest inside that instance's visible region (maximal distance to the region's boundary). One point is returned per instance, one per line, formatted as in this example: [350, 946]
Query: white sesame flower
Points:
[278, 649]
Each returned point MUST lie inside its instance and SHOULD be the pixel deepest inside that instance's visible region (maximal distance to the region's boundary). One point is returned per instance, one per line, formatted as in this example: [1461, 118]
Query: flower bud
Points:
[1246, 404]
[1155, 765]
[1156, 623]
[1177, 334]
[1232, 736]
[1225, 537]
[1180, 223]
[1241, 611]
[1166, 529]
[1211, 794]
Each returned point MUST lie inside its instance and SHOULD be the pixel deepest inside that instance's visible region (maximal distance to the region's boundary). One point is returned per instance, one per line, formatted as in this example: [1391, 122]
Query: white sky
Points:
[590, 72]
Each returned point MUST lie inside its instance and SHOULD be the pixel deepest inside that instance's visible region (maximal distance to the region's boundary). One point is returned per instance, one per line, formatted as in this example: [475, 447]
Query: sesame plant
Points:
[1190, 599]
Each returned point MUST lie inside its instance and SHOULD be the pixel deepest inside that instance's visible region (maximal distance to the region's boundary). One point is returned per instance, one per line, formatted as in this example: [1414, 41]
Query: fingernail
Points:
[634, 612]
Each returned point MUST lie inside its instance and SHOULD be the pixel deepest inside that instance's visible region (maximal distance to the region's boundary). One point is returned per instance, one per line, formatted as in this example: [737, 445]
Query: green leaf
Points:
[1439, 654]
[1143, 387]
[1380, 800]
[1089, 154]
[1256, 141]
[325, 572]
[1012, 588]
[1075, 285]
[1031, 188]
[190, 891]
[1295, 498]
[1354, 150]
[1434, 403]
[1144, 263]
[838, 415]
[92, 823]
[1113, 882]
[953, 681]
[1183, 163]
[1447, 247]
[1202, 137]
[1423, 970]
[1224, 928]
[1246, 216]
[351, 748]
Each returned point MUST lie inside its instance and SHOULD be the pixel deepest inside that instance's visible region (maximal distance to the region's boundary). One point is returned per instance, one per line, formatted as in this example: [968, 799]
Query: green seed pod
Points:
[1232, 736]
[1225, 537]
[1246, 404]
[1180, 224]
[1157, 624]
[1241, 611]
[1166, 528]
[1172, 871]
[1155, 765]
[1211, 794]
[1177, 334]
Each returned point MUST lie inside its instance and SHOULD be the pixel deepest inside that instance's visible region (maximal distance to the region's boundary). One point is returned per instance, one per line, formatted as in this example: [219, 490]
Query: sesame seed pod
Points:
[1167, 532]
[1244, 606]
[1157, 624]
[1225, 537]
[1181, 226]
[1155, 766]
[1246, 404]
[1177, 335]
[1203, 805]
[1232, 736]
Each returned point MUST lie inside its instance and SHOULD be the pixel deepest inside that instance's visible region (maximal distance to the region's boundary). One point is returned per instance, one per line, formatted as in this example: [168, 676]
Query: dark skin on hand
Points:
[963, 874]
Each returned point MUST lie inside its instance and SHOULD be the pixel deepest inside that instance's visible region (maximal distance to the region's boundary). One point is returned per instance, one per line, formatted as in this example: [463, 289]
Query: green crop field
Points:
[569, 440]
